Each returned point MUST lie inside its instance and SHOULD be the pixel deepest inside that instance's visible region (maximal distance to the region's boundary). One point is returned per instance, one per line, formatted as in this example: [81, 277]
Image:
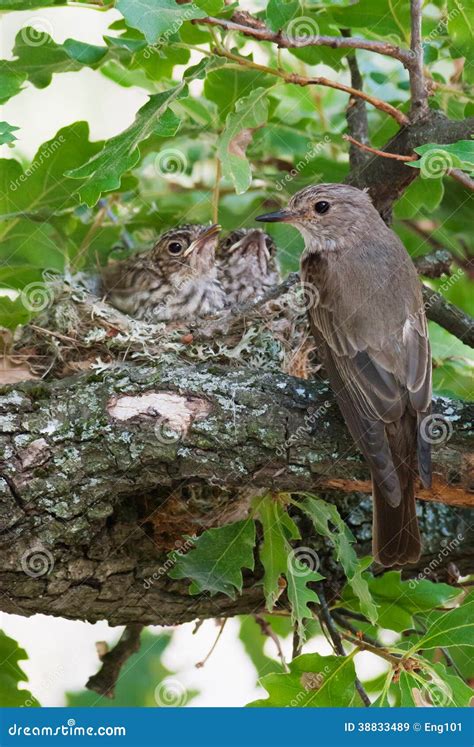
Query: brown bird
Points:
[369, 322]
[177, 279]
[247, 264]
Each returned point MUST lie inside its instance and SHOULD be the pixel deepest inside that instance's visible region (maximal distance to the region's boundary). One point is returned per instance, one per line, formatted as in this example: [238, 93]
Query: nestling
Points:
[369, 323]
[247, 264]
[177, 279]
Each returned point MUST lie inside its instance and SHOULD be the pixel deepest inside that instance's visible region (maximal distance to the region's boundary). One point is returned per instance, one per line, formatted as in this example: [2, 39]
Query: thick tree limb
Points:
[419, 93]
[387, 179]
[85, 527]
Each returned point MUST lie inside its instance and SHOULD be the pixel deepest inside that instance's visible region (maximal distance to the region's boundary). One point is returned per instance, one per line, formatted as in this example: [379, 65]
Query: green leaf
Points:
[144, 680]
[103, 172]
[397, 601]
[250, 112]
[42, 187]
[314, 681]
[38, 57]
[435, 687]
[215, 562]
[157, 19]
[436, 160]
[11, 674]
[382, 19]
[422, 193]
[327, 521]
[278, 528]
[452, 628]
[298, 576]
[279, 12]
[6, 133]
[225, 87]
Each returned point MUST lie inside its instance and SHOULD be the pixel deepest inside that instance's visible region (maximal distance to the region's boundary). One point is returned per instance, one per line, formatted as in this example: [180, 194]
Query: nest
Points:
[79, 331]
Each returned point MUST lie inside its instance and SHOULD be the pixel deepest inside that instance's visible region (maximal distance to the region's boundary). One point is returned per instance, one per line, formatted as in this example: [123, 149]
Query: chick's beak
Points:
[209, 235]
[279, 216]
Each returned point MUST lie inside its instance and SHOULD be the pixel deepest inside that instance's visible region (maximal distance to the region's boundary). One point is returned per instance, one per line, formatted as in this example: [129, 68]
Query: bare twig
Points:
[325, 617]
[262, 33]
[200, 664]
[105, 680]
[419, 93]
[266, 629]
[462, 178]
[384, 154]
[301, 80]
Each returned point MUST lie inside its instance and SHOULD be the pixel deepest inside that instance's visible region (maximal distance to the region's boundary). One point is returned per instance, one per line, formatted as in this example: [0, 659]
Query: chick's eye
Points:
[321, 207]
[175, 247]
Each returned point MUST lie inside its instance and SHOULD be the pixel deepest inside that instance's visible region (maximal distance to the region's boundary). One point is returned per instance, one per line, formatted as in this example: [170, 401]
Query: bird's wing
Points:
[375, 382]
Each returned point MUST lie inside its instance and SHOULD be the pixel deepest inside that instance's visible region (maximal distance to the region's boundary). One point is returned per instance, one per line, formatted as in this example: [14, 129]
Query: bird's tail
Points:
[396, 536]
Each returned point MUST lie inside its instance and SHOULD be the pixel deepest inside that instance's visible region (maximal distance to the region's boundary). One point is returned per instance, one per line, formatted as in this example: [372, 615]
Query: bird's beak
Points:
[209, 234]
[279, 216]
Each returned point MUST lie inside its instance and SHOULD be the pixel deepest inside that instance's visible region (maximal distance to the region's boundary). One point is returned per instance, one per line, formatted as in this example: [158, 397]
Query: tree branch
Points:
[419, 93]
[450, 317]
[462, 178]
[262, 33]
[356, 115]
[105, 680]
[301, 80]
[95, 490]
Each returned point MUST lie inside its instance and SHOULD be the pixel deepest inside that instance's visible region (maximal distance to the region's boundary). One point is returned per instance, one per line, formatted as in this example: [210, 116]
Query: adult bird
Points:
[177, 279]
[368, 319]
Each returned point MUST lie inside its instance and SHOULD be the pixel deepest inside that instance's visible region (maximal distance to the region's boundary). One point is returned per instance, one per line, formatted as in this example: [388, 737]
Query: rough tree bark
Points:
[84, 530]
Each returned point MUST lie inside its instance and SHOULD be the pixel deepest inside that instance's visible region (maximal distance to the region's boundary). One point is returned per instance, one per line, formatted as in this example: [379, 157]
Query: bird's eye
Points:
[321, 207]
[175, 247]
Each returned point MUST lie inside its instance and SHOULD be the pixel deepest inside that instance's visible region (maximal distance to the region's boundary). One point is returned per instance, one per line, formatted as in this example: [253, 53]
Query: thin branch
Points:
[336, 639]
[267, 630]
[447, 315]
[462, 178]
[105, 680]
[262, 33]
[200, 664]
[419, 93]
[382, 153]
[301, 80]
[394, 660]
